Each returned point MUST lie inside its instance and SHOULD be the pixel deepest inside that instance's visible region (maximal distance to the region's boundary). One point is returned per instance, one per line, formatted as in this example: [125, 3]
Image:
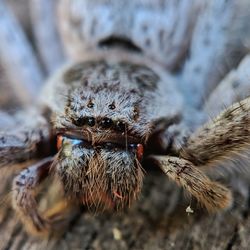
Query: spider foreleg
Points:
[174, 136]
[23, 199]
[210, 194]
[52, 221]
[225, 137]
[23, 136]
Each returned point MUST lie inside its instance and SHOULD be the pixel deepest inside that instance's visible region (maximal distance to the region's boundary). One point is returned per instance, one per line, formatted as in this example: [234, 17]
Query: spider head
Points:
[101, 136]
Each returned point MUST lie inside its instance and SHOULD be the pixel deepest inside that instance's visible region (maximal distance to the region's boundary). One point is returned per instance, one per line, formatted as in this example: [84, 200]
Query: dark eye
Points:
[79, 121]
[90, 105]
[106, 123]
[90, 121]
[120, 126]
[111, 106]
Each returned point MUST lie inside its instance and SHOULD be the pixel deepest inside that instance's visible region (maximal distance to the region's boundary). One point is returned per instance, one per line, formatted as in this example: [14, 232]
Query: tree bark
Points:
[157, 221]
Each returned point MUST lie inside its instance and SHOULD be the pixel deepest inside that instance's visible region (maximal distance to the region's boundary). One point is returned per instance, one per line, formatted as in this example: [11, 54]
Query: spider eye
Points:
[106, 123]
[120, 126]
[111, 106]
[80, 121]
[91, 121]
[90, 105]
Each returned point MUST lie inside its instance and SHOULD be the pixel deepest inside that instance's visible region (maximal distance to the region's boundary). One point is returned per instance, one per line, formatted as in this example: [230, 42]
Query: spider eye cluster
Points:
[90, 121]
[104, 123]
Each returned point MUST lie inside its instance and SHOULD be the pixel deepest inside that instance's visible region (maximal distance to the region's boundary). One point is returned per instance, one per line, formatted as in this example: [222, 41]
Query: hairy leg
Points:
[216, 48]
[225, 137]
[52, 221]
[23, 195]
[44, 27]
[233, 88]
[174, 136]
[23, 136]
[210, 194]
[26, 78]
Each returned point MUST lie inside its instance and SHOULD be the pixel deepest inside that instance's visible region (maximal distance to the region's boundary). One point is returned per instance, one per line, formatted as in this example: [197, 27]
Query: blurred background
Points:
[198, 42]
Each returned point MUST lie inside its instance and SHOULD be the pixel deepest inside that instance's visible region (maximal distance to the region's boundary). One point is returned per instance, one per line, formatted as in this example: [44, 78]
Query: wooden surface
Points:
[157, 221]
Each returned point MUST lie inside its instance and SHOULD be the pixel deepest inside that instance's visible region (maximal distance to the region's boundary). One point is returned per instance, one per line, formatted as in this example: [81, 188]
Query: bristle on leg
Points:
[212, 195]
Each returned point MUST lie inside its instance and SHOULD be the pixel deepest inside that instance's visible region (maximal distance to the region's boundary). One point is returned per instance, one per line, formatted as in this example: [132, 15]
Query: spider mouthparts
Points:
[107, 143]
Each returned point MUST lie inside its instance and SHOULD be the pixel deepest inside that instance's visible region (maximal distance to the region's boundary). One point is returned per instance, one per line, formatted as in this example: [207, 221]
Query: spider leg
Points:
[26, 78]
[225, 137]
[23, 195]
[43, 19]
[234, 87]
[23, 137]
[203, 71]
[173, 137]
[56, 218]
[210, 194]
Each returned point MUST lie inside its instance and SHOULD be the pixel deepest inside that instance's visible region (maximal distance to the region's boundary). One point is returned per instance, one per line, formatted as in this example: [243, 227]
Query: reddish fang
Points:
[139, 151]
[59, 142]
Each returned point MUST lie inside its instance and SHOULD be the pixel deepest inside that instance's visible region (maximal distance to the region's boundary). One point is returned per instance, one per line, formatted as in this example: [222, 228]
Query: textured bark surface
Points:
[157, 221]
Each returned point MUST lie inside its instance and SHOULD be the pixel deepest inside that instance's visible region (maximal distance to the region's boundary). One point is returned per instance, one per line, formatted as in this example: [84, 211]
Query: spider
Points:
[117, 105]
